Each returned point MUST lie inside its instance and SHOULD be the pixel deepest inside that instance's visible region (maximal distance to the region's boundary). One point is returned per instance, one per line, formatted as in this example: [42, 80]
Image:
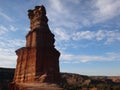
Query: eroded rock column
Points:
[39, 60]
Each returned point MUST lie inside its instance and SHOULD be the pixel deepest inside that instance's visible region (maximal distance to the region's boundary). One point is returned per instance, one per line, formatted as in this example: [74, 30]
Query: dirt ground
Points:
[37, 86]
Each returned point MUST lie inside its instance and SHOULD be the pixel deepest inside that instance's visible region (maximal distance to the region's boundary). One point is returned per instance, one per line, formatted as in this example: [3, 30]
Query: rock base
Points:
[34, 86]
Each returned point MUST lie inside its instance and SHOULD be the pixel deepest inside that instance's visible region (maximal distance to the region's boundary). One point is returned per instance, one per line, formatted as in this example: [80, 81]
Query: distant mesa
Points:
[38, 62]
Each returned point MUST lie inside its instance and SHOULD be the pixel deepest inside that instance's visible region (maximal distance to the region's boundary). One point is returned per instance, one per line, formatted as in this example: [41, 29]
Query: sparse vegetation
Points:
[88, 83]
[70, 81]
[92, 87]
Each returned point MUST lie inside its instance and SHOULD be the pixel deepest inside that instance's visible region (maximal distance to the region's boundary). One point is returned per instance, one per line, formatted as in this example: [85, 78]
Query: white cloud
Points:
[100, 35]
[112, 36]
[13, 28]
[82, 14]
[83, 35]
[71, 58]
[85, 39]
[75, 1]
[73, 18]
[7, 50]
[6, 16]
[3, 29]
[108, 35]
[7, 57]
[17, 42]
[8, 43]
[7, 63]
[69, 24]
[106, 9]
[11, 44]
[61, 34]
[56, 5]
[63, 15]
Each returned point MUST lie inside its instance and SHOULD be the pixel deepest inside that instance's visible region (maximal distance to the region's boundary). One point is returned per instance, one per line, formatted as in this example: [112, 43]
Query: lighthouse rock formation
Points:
[38, 62]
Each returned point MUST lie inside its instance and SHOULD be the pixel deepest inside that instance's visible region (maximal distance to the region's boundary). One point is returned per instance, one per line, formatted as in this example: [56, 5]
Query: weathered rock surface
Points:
[38, 61]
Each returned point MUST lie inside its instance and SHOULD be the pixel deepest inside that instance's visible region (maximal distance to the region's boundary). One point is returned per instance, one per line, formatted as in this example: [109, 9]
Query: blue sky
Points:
[87, 33]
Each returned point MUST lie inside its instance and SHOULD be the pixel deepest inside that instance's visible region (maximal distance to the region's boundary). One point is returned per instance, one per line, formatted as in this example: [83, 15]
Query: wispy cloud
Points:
[71, 58]
[7, 51]
[66, 14]
[11, 43]
[108, 35]
[8, 62]
[5, 16]
[69, 21]
[106, 9]
[83, 35]
[61, 15]
[74, 2]
[61, 34]
[7, 58]
[57, 5]
[3, 29]
[13, 28]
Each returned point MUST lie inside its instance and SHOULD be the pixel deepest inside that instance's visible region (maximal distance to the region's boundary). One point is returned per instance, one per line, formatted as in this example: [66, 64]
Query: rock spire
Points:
[39, 60]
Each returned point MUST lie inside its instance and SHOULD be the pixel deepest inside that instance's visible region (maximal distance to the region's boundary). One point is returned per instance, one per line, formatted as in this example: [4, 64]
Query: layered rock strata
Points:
[39, 60]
